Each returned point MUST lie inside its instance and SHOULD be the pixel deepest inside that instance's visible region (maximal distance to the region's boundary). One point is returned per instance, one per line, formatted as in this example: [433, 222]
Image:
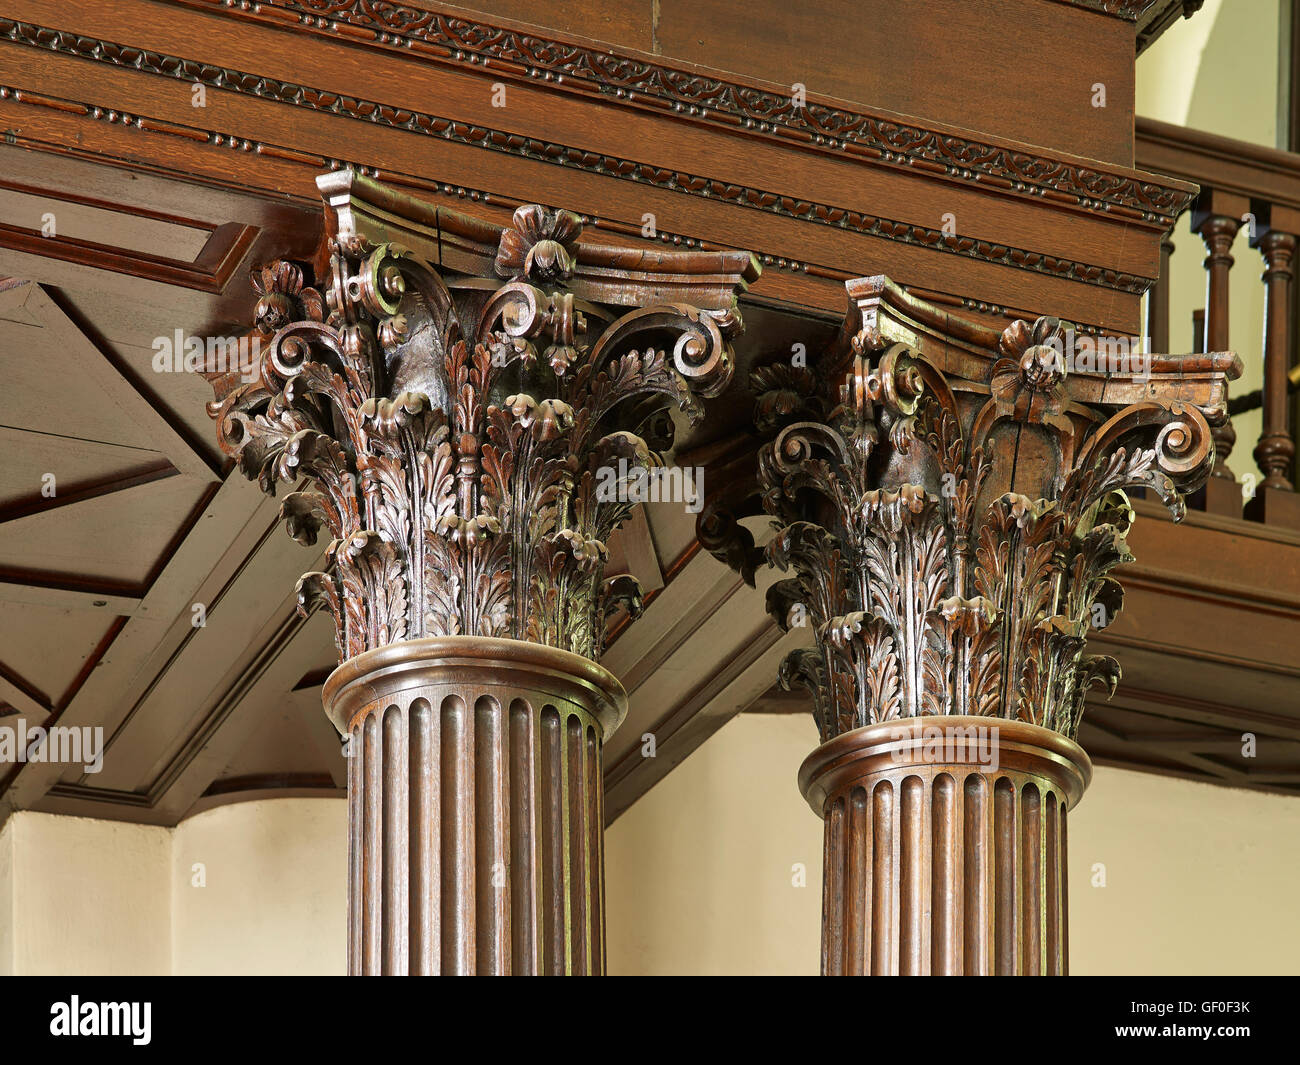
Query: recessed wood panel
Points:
[52, 214]
[117, 538]
[31, 456]
[48, 647]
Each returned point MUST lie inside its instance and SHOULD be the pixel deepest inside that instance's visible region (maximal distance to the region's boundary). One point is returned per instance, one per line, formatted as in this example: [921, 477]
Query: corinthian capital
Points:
[449, 389]
[951, 503]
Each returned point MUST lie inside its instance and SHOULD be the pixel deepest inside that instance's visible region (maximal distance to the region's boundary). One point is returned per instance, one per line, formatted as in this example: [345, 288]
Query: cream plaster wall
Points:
[1217, 71]
[88, 897]
[1199, 879]
[701, 872]
[274, 894]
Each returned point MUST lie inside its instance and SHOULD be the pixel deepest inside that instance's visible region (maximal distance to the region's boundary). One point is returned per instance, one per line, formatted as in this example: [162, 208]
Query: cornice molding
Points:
[314, 164]
[700, 95]
[472, 135]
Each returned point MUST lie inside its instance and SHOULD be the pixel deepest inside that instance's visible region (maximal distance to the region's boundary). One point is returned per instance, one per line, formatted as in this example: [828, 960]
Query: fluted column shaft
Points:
[475, 841]
[947, 866]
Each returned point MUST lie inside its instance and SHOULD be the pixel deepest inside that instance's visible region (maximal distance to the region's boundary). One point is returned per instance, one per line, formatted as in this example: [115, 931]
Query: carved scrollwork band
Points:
[453, 434]
[881, 138]
[699, 97]
[951, 535]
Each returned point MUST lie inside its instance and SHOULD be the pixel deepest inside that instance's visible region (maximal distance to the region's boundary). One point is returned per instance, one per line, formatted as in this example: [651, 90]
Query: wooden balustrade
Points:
[1258, 189]
[1216, 220]
[1276, 449]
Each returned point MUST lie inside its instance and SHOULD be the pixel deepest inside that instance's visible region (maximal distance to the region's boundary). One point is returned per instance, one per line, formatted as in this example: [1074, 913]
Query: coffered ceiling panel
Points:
[287, 745]
[185, 396]
[30, 208]
[48, 389]
[49, 667]
[1243, 754]
[98, 582]
[76, 464]
[118, 538]
[247, 625]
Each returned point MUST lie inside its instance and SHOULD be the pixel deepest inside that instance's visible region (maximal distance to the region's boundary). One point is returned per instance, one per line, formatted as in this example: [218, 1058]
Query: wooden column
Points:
[475, 839]
[950, 502]
[462, 440]
[950, 865]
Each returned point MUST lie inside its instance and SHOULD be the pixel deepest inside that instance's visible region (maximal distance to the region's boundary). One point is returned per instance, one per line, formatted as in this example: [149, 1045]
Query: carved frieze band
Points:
[700, 97]
[460, 192]
[192, 71]
[1128, 10]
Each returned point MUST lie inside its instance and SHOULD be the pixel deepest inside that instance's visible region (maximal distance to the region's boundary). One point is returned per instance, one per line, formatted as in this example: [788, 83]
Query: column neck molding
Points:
[1278, 250]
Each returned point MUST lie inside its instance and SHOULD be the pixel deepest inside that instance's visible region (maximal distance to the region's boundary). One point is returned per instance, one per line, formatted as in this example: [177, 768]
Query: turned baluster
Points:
[1217, 219]
[1157, 323]
[1276, 449]
[1276, 502]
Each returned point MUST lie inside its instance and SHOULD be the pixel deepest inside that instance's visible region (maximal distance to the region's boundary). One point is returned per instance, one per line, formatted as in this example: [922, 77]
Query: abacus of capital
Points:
[439, 393]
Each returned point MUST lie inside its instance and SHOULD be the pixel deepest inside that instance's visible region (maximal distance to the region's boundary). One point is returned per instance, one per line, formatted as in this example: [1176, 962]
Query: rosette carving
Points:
[949, 523]
[451, 435]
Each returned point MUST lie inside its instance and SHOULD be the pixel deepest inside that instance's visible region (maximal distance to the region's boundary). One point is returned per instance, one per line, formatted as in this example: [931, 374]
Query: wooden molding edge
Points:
[210, 272]
[693, 93]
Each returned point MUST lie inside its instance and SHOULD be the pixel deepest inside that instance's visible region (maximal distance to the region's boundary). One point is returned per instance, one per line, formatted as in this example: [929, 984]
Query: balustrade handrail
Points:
[1248, 185]
[1239, 167]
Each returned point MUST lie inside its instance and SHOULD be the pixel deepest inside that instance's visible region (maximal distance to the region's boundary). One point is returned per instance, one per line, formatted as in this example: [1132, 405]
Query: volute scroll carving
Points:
[950, 503]
[452, 431]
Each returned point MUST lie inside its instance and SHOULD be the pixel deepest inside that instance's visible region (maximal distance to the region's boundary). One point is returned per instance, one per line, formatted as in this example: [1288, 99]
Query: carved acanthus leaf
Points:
[454, 437]
[950, 539]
